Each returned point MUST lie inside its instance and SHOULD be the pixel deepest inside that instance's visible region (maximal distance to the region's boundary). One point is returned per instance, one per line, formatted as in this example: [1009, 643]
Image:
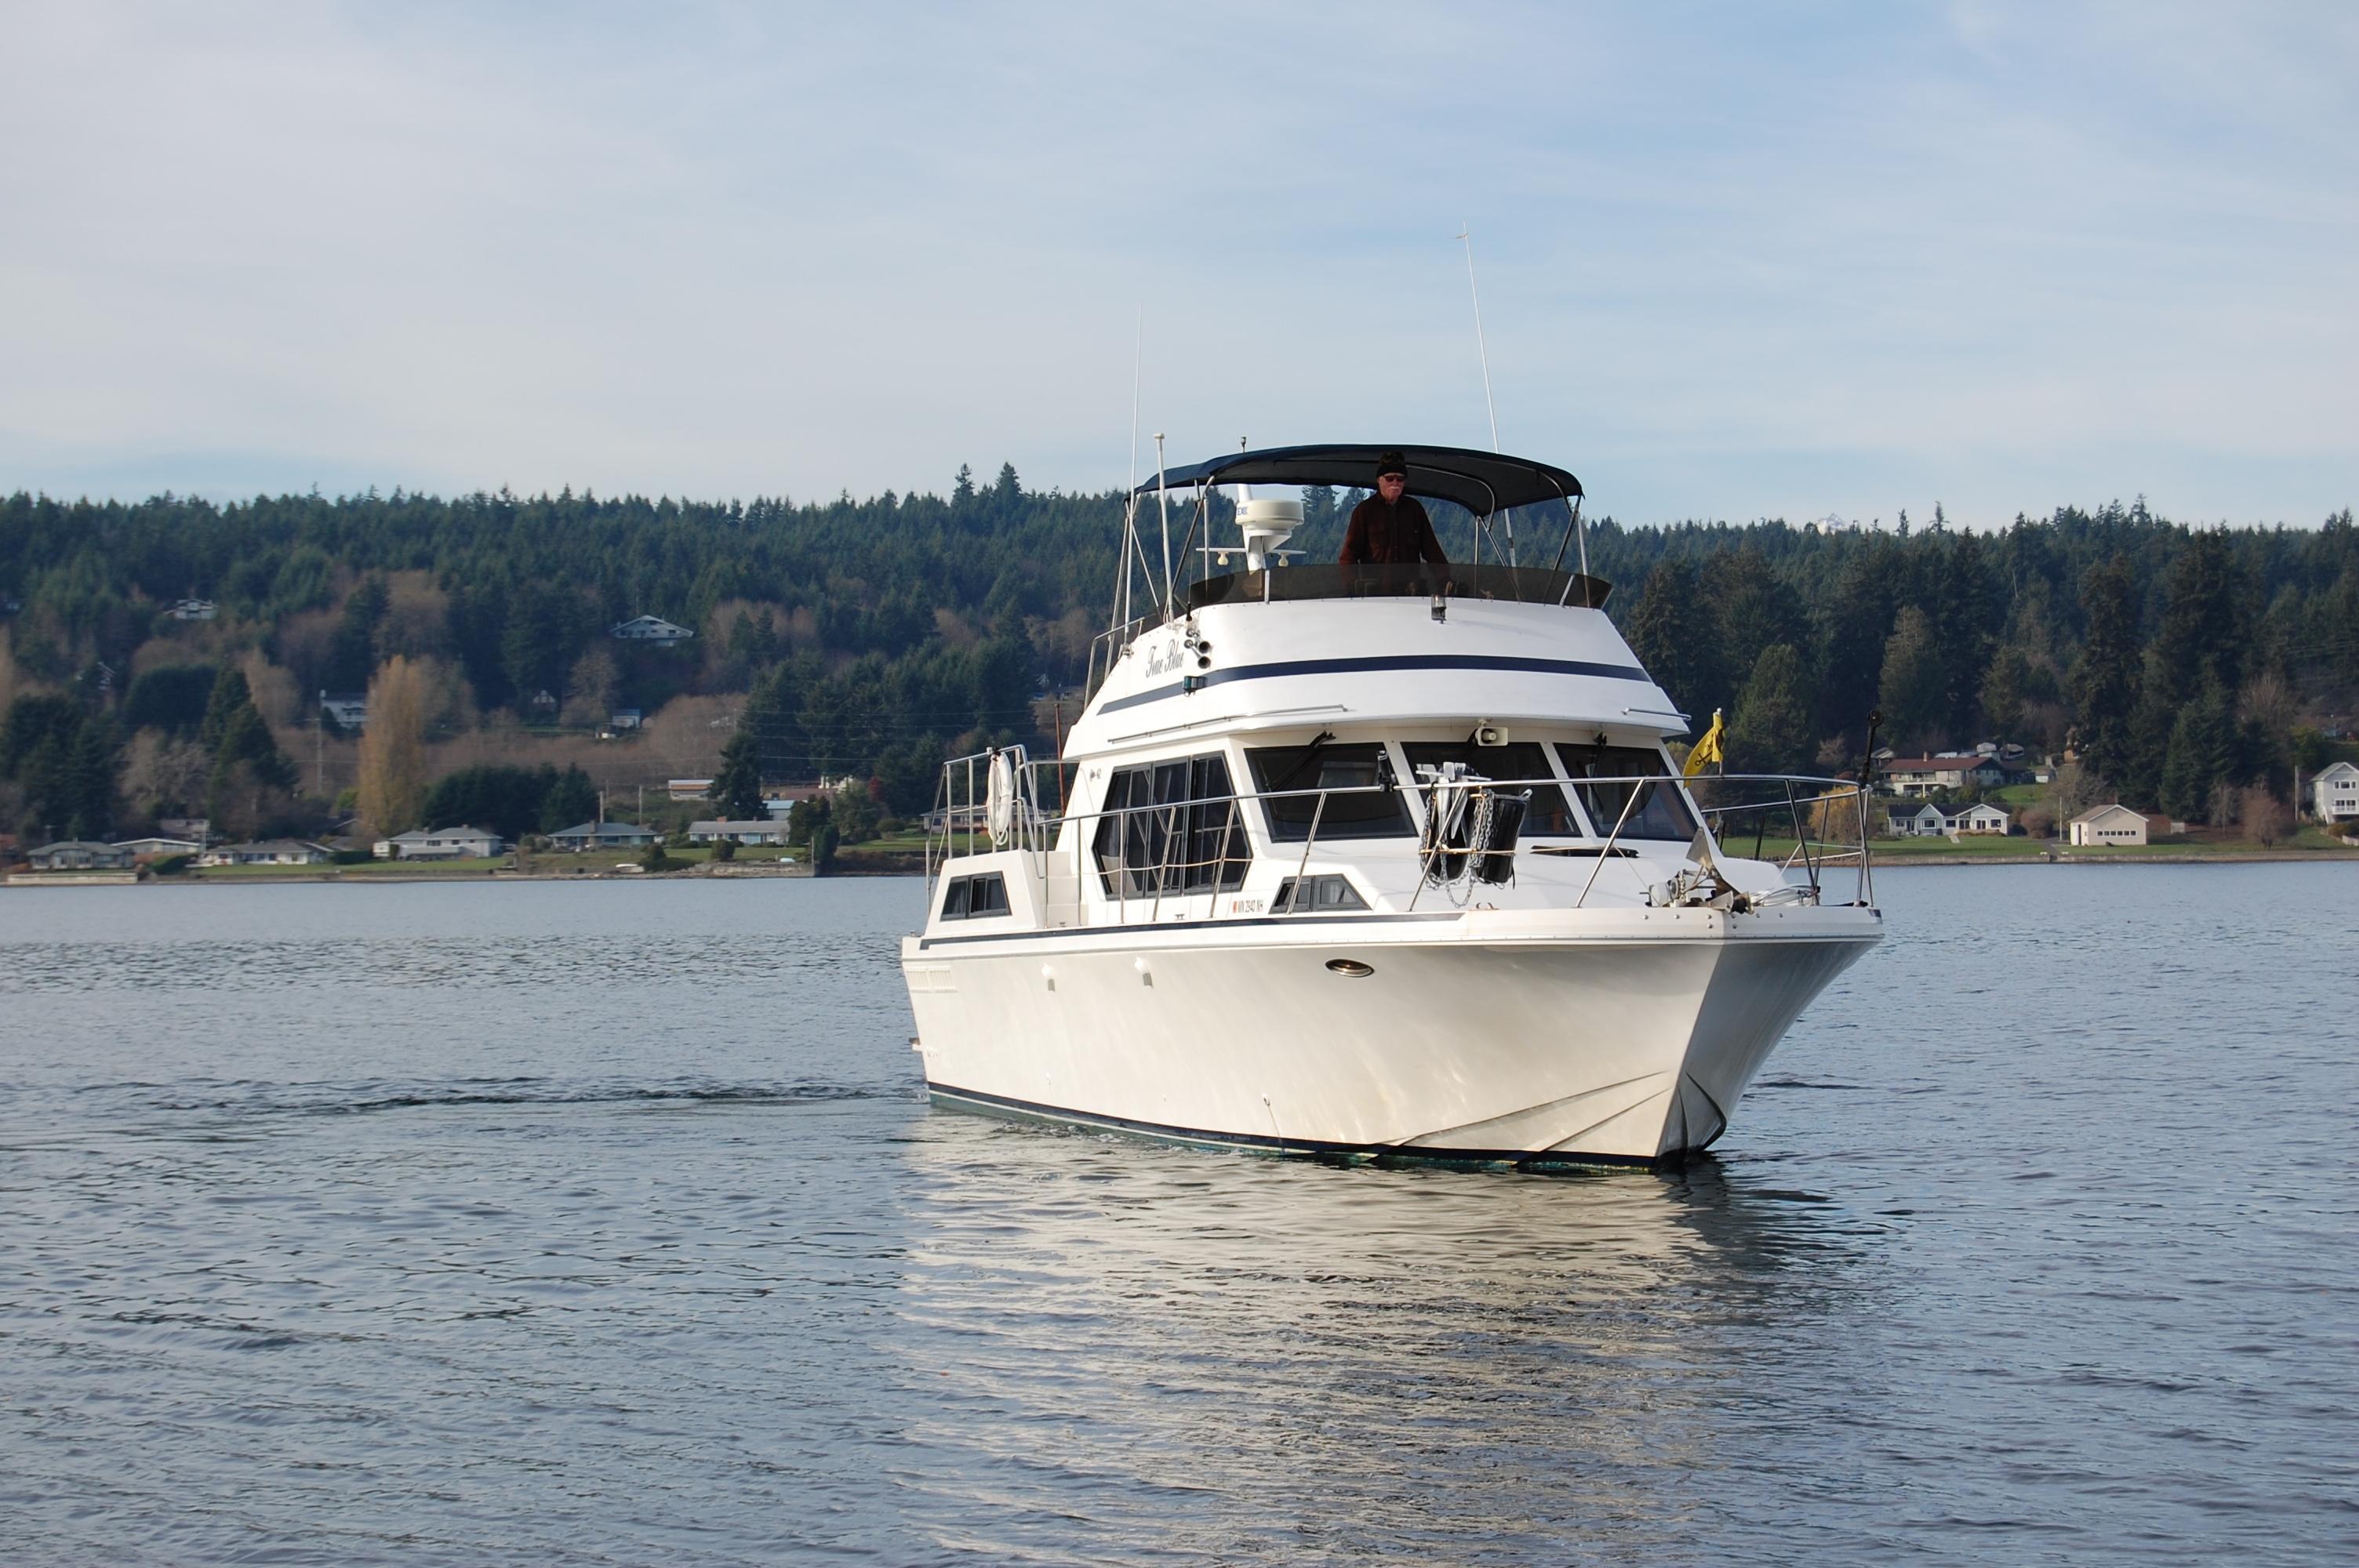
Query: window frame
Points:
[1280, 778]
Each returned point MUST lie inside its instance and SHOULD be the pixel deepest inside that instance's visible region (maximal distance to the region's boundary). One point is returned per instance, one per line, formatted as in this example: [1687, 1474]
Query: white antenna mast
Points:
[1466, 235]
[1163, 501]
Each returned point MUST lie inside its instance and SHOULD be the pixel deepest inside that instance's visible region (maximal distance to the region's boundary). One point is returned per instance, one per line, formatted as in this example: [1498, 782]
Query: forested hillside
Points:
[870, 636]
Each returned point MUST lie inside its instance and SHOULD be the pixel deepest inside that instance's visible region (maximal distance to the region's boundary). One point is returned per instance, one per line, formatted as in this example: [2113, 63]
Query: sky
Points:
[1808, 261]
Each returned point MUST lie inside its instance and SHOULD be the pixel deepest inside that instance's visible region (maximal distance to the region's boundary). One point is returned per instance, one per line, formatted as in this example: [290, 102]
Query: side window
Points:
[1660, 811]
[973, 898]
[1171, 827]
[1518, 765]
[1296, 774]
[990, 897]
[1315, 895]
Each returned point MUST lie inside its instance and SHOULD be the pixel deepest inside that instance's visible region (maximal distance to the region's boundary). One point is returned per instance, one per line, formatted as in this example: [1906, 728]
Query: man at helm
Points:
[1390, 528]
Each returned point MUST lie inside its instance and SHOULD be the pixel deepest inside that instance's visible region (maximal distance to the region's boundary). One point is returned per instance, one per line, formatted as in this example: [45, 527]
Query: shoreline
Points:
[334, 877]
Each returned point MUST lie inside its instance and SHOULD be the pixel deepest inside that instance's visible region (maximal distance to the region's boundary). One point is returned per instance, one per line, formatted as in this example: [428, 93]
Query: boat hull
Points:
[1533, 1037]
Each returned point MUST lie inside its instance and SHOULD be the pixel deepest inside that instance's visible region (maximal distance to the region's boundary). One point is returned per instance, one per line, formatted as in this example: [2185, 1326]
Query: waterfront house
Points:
[268, 852]
[688, 789]
[769, 830]
[200, 829]
[1926, 776]
[1979, 818]
[441, 844]
[649, 629]
[1905, 820]
[602, 836]
[157, 846]
[2335, 794]
[2114, 824]
[79, 855]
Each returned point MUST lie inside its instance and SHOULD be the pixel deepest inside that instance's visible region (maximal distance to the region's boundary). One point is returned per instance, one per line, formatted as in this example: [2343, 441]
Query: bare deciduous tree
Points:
[2266, 821]
[393, 748]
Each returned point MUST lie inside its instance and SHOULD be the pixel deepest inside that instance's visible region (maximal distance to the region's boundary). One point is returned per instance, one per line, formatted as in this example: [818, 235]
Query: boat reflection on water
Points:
[1311, 1359]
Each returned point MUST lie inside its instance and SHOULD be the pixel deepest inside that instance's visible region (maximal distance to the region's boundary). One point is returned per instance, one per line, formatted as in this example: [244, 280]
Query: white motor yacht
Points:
[1375, 861]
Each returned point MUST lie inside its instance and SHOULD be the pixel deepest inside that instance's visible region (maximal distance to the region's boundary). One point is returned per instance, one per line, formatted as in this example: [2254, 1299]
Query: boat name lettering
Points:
[1164, 660]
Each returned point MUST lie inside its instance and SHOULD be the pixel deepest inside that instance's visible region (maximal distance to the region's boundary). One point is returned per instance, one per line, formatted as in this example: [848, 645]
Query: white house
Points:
[769, 830]
[2334, 792]
[624, 718]
[649, 629]
[194, 609]
[688, 789]
[1924, 775]
[1900, 821]
[269, 852]
[602, 836]
[1980, 818]
[348, 709]
[2114, 824]
[441, 844]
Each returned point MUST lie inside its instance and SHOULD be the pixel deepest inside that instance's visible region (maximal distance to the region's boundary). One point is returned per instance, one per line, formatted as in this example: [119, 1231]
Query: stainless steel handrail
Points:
[1034, 831]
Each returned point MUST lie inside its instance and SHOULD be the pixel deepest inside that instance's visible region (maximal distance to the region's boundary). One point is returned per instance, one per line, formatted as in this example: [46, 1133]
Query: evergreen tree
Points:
[2003, 689]
[1852, 628]
[173, 698]
[228, 694]
[570, 798]
[244, 738]
[2105, 679]
[737, 786]
[1772, 732]
[1671, 631]
[1914, 688]
[2202, 756]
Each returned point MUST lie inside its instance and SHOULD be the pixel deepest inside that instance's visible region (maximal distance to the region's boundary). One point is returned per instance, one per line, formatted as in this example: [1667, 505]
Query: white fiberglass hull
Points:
[1532, 1036]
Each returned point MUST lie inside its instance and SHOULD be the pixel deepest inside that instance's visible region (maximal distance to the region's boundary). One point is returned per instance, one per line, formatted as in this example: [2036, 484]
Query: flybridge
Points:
[1490, 487]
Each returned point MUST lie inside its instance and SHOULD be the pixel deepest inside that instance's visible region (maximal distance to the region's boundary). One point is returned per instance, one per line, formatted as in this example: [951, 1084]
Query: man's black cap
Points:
[1392, 462]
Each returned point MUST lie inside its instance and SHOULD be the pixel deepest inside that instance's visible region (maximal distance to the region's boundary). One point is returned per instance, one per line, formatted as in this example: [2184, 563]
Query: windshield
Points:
[1372, 813]
[1660, 810]
[1516, 765]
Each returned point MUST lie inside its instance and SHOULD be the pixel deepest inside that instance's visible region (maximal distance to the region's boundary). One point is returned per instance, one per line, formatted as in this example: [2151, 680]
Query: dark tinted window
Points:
[1549, 817]
[989, 897]
[1315, 895]
[1173, 827]
[973, 898]
[1660, 811]
[1372, 813]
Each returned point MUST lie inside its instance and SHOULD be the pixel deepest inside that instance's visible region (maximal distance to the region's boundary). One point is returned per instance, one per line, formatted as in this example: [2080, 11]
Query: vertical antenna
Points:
[1163, 504]
[1466, 235]
[1130, 490]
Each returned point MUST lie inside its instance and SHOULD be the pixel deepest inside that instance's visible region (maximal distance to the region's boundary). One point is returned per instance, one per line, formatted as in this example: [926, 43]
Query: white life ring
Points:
[999, 801]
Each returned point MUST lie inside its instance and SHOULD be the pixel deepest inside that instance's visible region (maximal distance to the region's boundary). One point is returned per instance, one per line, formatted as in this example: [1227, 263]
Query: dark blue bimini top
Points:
[1483, 482]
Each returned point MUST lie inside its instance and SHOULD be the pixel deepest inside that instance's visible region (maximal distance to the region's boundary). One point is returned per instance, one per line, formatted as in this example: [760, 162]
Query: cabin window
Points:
[1517, 766]
[1315, 895]
[974, 898]
[1374, 811]
[1172, 827]
[1660, 811]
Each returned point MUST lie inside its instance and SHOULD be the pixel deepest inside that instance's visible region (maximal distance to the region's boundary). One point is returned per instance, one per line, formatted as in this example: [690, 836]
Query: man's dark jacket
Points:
[1390, 535]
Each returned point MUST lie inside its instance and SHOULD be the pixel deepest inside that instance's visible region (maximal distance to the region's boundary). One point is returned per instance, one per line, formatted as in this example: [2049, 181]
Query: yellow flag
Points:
[1707, 751]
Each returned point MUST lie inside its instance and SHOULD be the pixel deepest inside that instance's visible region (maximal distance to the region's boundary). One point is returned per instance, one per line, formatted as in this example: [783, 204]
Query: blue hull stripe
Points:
[1300, 1148]
[1388, 662]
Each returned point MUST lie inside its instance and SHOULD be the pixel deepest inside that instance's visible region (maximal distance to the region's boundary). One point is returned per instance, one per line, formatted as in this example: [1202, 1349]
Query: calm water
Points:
[602, 1223]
